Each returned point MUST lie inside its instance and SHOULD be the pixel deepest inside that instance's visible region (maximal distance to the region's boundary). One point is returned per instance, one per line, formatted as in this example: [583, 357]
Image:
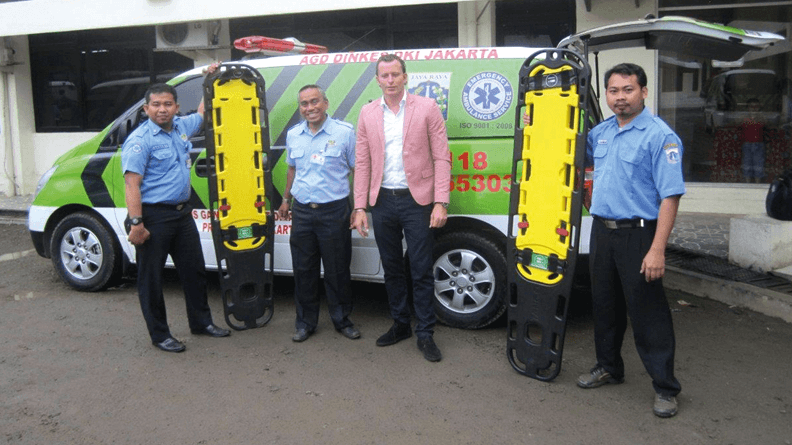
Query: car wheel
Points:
[85, 254]
[470, 280]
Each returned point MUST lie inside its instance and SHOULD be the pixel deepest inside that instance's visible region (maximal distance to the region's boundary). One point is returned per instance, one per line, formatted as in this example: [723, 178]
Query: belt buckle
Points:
[610, 224]
[179, 206]
[313, 205]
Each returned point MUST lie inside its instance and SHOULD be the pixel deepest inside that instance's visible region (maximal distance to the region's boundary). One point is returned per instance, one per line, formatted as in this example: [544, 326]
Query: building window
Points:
[733, 118]
[534, 23]
[83, 80]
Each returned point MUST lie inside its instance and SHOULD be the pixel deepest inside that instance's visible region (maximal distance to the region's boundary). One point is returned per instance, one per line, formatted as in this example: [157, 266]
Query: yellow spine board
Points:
[238, 164]
[546, 195]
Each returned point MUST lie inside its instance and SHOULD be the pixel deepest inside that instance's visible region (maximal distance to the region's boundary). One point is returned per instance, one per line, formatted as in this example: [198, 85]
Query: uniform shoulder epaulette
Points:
[663, 125]
[294, 127]
[138, 132]
[344, 124]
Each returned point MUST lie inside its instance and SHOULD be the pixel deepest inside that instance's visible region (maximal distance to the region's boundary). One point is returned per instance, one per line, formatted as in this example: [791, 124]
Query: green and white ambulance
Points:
[77, 214]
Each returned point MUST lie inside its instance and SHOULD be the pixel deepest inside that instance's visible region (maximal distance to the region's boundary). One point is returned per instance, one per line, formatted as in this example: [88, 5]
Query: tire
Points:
[470, 280]
[85, 254]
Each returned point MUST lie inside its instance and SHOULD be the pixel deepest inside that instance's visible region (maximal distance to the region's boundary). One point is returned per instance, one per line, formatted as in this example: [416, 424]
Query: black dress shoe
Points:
[301, 335]
[350, 332]
[170, 344]
[430, 350]
[395, 334]
[212, 331]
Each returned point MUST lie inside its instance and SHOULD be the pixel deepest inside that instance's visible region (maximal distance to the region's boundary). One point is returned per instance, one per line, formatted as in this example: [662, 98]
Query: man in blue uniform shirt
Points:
[637, 186]
[321, 156]
[156, 163]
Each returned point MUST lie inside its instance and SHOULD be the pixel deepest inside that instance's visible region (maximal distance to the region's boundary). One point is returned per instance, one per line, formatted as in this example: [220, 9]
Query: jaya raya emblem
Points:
[434, 86]
[487, 96]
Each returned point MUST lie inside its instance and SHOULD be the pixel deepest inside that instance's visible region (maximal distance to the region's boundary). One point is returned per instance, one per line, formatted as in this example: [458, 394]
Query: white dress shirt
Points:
[393, 176]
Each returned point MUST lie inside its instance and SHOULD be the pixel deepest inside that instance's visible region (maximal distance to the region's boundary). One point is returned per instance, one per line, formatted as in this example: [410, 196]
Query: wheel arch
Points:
[468, 224]
[63, 212]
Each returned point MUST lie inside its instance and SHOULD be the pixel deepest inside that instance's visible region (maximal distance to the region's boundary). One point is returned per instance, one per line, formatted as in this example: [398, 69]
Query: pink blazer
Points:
[427, 160]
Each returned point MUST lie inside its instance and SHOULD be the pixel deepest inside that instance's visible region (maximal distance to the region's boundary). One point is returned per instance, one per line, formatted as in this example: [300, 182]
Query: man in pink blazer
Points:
[403, 172]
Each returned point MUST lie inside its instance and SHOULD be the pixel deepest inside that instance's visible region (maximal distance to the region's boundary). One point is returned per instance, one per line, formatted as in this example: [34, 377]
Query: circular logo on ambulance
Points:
[487, 96]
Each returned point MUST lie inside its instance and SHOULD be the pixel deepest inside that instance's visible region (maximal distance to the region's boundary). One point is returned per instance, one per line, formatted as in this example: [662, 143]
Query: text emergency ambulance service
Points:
[78, 212]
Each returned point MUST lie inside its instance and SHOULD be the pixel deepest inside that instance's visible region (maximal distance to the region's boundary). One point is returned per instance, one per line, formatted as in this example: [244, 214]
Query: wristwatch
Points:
[444, 204]
[136, 220]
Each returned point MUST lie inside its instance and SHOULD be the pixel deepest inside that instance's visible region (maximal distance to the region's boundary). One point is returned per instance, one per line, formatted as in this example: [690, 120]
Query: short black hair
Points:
[390, 58]
[314, 87]
[627, 69]
[159, 88]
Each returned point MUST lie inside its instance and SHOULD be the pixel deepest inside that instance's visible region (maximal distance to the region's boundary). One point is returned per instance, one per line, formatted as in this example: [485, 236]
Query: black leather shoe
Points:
[170, 344]
[350, 332]
[430, 350]
[395, 334]
[212, 331]
[301, 335]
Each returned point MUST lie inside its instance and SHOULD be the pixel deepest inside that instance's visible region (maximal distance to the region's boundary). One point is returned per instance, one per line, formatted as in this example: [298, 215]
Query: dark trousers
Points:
[321, 233]
[396, 217]
[619, 289]
[172, 232]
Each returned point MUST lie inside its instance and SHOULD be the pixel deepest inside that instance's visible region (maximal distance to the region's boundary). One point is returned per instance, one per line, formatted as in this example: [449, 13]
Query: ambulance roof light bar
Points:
[276, 47]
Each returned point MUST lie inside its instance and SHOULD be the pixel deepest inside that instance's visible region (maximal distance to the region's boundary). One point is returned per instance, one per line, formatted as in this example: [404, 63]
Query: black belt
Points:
[394, 192]
[176, 207]
[316, 205]
[626, 223]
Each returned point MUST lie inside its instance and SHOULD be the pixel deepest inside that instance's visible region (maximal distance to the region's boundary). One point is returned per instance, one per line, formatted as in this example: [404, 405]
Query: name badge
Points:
[317, 159]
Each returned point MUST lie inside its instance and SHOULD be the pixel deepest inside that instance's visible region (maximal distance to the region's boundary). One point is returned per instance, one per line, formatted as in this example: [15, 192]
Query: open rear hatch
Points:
[673, 33]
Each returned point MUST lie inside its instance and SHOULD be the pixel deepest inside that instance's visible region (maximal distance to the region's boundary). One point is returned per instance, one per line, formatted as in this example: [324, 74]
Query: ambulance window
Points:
[125, 124]
[190, 93]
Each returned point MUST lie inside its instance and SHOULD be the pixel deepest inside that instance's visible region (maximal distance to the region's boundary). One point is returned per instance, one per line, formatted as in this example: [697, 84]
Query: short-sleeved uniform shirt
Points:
[322, 161]
[635, 167]
[162, 158]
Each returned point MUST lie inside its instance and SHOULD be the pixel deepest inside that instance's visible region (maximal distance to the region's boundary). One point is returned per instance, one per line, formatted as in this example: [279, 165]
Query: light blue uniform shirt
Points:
[162, 158]
[635, 167]
[323, 161]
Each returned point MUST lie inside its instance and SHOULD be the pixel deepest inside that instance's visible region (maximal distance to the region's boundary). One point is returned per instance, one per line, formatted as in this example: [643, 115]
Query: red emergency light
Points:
[276, 47]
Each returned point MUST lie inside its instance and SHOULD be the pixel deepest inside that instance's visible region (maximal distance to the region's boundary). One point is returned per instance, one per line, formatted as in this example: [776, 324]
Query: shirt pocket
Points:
[631, 160]
[161, 157]
[600, 151]
[296, 153]
[332, 152]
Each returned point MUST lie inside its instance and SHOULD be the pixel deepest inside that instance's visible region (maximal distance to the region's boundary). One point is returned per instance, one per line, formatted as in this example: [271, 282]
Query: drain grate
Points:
[719, 267]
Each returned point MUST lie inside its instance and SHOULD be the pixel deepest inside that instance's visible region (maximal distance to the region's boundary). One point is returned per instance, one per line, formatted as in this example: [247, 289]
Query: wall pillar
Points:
[17, 123]
[476, 23]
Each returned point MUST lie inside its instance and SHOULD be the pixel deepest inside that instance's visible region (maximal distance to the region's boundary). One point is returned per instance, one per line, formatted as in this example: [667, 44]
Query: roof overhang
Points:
[25, 17]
